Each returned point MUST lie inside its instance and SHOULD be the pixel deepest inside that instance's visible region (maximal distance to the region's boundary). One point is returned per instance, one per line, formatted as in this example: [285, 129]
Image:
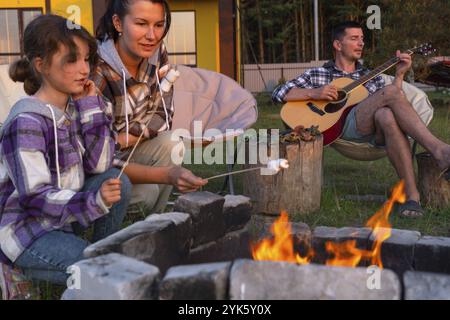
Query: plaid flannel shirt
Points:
[31, 203]
[143, 95]
[318, 77]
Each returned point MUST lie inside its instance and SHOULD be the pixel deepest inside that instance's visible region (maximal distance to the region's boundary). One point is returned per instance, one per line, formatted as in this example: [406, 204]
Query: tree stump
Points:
[434, 190]
[296, 190]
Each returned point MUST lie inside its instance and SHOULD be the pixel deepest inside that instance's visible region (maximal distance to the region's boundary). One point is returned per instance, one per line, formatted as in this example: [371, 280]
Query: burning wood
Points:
[346, 254]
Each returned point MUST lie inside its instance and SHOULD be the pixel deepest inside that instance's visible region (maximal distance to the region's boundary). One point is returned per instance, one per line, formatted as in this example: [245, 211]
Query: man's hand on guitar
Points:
[328, 92]
[404, 65]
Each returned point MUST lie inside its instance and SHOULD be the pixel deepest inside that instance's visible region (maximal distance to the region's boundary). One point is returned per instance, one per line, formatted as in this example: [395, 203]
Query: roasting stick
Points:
[234, 172]
[166, 83]
[275, 165]
[132, 152]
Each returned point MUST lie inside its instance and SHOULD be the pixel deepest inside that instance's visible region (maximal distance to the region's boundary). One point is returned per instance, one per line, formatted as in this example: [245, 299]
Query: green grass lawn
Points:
[343, 176]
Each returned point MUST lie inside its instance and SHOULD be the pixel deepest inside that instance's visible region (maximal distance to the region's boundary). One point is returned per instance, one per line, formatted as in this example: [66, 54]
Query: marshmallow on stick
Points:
[273, 165]
[277, 164]
[168, 81]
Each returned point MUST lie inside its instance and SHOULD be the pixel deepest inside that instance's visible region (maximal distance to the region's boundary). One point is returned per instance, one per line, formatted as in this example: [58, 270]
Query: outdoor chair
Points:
[217, 101]
[367, 152]
[10, 92]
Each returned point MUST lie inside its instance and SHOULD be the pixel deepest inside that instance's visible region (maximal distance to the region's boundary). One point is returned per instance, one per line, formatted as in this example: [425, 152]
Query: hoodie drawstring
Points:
[162, 99]
[56, 144]
[126, 104]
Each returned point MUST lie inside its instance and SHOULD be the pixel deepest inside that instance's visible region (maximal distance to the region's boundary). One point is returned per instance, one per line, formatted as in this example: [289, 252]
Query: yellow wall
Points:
[58, 7]
[207, 29]
[22, 4]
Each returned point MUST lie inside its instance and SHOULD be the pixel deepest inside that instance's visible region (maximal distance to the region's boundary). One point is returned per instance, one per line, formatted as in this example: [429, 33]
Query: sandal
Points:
[411, 209]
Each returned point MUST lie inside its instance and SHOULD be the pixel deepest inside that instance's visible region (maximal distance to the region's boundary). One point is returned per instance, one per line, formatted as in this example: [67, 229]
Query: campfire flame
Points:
[345, 254]
[281, 247]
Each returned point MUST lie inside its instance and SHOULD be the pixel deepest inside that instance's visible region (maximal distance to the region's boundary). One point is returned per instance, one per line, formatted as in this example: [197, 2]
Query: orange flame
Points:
[346, 254]
[281, 247]
[379, 223]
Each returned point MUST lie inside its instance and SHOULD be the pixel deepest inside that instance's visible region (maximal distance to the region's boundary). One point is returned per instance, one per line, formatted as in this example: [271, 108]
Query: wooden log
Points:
[296, 190]
[433, 188]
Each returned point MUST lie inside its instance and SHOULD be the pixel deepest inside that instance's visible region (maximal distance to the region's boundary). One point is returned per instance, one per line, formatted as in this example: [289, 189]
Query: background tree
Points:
[281, 31]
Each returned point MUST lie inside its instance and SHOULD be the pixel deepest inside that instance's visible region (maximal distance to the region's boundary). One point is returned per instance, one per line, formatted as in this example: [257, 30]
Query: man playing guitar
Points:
[385, 118]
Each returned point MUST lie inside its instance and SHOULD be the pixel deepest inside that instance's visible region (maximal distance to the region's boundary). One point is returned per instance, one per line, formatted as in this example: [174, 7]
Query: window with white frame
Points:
[181, 40]
[12, 26]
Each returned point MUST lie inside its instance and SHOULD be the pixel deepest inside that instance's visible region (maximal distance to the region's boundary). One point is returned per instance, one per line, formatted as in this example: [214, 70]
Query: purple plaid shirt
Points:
[318, 77]
[31, 203]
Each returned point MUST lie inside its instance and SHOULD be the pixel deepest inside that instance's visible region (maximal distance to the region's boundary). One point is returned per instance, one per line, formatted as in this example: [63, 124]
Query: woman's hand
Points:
[89, 90]
[110, 191]
[184, 180]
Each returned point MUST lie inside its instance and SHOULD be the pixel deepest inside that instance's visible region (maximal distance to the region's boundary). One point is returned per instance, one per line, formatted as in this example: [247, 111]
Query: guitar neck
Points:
[372, 74]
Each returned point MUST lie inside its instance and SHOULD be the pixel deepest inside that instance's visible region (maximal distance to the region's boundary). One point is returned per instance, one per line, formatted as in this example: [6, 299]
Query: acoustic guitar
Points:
[330, 116]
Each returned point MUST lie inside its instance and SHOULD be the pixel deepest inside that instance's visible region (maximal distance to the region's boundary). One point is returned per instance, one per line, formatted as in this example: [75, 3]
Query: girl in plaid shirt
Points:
[56, 153]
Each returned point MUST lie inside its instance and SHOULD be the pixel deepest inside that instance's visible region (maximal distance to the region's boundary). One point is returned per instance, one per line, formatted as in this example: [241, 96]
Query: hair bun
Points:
[21, 70]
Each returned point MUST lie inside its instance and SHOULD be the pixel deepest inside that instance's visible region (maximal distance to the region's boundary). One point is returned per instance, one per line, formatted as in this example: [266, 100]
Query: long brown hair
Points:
[42, 39]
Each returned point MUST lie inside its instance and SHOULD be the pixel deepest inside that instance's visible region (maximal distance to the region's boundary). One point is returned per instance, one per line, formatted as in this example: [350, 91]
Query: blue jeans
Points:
[49, 256]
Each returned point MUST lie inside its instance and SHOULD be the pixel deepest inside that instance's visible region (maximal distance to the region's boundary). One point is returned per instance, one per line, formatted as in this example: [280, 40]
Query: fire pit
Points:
[202, 251]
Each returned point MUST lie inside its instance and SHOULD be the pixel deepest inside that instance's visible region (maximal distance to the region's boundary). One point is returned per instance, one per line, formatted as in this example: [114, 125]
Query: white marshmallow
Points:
[277, 164]
[169, 79]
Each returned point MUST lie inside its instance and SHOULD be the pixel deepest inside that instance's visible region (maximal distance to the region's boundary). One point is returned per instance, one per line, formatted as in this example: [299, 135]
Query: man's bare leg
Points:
[407, 119]
[398, 150]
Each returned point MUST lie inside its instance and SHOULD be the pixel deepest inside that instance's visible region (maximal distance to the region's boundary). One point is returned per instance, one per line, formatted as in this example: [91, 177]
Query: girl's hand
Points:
[110, 191]
[89, 90]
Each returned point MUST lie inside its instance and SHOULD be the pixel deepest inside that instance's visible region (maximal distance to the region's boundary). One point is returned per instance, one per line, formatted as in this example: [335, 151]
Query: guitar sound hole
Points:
[337, 105]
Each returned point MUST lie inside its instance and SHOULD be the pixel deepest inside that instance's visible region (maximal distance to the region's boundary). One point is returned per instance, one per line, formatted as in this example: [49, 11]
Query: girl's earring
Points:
[120, 34]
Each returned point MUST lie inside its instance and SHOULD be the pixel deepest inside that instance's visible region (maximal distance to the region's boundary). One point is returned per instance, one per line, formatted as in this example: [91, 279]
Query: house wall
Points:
[60, 7]
[207, 29]
[22, 4]
[57, 7]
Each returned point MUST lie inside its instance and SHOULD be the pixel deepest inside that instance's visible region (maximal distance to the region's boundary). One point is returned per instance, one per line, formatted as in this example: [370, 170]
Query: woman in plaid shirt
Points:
[385, 118]
[133, 56]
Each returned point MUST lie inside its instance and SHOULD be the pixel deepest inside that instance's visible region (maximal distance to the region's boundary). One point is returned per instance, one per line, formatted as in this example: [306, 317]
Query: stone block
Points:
[397, 252]
[264, 280]
[148, 241]
[113, 277]
[432, 254]
[206, 211]
[426, 286]
[196, 282]
[237, 212]
[234, 245]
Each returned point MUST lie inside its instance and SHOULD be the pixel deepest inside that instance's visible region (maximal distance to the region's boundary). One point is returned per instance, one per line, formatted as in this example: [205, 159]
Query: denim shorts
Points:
[351, 133]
